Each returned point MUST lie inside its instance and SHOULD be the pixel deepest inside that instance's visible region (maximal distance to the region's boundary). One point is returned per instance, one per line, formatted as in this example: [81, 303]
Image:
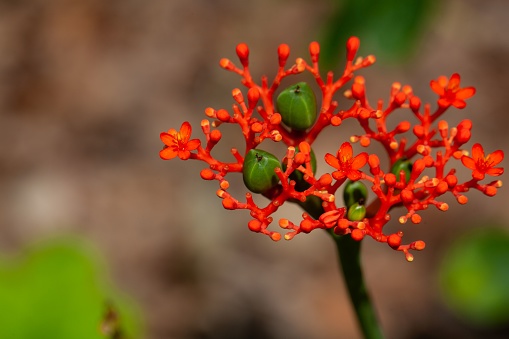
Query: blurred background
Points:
[87, 86]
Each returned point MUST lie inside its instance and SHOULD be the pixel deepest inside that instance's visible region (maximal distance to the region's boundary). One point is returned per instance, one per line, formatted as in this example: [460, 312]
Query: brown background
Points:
[87, 86]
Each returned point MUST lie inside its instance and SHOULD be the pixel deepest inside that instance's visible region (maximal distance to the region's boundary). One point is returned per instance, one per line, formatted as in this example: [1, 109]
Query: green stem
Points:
[349, 252]
[350, 263]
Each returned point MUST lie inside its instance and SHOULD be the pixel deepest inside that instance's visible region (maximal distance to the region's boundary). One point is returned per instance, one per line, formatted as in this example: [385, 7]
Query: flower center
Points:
[484, 164]
[345, 161]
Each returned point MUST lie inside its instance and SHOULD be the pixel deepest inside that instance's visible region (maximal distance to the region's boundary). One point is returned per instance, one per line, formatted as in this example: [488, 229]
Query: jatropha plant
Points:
[421, 167]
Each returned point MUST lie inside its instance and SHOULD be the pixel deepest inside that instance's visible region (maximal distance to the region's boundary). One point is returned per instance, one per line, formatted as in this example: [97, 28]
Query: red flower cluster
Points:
[436, 145]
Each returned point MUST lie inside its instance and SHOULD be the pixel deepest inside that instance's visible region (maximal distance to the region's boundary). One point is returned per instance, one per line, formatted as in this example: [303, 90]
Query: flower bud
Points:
[301, 184]
[356, 212]
[258, 171]
[297, 106]
[355, 192]
[402, 165]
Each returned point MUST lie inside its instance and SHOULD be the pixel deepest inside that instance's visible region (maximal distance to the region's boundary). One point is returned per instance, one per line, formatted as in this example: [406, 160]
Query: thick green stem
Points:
[350, 263]
[349, 256]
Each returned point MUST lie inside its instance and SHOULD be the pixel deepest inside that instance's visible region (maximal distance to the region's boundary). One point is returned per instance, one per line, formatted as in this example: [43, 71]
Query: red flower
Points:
[178, 143]
[482, 165]
[347, 165]
[451, 93]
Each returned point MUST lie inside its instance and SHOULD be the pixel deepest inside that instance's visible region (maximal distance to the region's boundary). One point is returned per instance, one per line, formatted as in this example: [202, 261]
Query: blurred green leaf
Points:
[58, 290]
[389, 28]
[474, 277]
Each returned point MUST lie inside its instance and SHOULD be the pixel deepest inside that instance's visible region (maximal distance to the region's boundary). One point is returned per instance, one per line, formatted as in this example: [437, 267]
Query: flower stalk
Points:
[350, 259]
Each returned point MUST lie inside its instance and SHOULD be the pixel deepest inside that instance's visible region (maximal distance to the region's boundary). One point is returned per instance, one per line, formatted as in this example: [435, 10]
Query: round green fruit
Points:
[258, 171]
[297, 106]
[356, 212]
[355, 192]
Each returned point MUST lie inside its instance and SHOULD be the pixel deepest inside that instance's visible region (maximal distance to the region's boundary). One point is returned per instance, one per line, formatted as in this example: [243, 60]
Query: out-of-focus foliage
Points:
[58, 290]
[390, 28]
[474, 277]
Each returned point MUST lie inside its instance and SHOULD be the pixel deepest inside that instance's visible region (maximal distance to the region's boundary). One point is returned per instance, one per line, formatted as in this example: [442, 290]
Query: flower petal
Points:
[184, 154]
[338, 175]
[443, 102]
[454, 82]
[185, 131]
[465, 93]
[168, 139]
[495, 158]
[477, 152]
[168, 153]
[477, 175]
[354, 175]
[332, 160]
[458, 103]
[359, 161]
[442, 81]
[468, 162]
[436, 87]
[345, 151]
[193, 144]
[495, 171]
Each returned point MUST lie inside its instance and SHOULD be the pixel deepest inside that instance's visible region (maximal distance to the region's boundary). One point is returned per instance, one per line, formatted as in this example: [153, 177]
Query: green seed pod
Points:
[258, 171]
[297, 106]
[301, 184]
[402, 164]
[355, 192]
[356, 212]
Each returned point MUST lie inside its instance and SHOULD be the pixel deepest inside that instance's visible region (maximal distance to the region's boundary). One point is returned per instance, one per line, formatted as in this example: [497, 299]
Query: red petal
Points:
[477, 152]
[354, 175]
[338, 175]
[477, 175]
[442, 81]
[465, 93]
[495, 157]
[454, 82]
[332, 160]
[495, 171]
[185, 131]
[468, 162]
[193, 144]
[168, 153]
[359, 161]
[459, 104]
[168, 139]
[184, 154]
[444, 102]
[436, 87]
[345, 151]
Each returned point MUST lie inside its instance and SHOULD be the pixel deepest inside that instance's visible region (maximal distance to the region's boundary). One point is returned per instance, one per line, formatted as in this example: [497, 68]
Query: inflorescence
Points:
[403, 184]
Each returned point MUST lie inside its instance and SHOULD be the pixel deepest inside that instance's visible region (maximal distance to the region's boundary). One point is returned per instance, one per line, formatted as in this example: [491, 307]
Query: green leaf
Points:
[474, 277]
[58, 290]
[390, 29]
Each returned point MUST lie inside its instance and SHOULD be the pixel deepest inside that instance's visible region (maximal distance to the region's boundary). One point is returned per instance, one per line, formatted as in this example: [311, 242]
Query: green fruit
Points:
[297, 106]
[356, 212]
[301, 184]
[258, 171]
[402, 165]
[355, 192]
